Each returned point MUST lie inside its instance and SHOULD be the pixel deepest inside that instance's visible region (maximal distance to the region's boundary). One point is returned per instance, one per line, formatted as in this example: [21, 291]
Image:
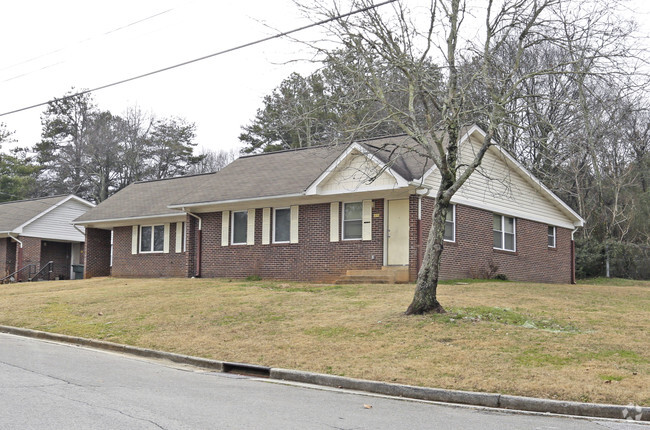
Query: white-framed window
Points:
[281, 225]
[551, 236]
[352, 220]
[503, 228]
[152, 238]
[450, 224]
[183, 237]
[239, 228]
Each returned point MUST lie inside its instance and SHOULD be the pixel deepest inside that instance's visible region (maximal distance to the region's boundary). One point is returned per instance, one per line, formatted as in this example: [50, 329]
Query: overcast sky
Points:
[48, 47]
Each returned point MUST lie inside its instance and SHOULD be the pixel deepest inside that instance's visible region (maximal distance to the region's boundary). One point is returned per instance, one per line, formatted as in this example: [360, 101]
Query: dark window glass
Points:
[282, 225]
[239, 226]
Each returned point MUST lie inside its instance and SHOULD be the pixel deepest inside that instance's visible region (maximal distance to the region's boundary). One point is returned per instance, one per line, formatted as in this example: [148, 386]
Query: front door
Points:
[397, 233]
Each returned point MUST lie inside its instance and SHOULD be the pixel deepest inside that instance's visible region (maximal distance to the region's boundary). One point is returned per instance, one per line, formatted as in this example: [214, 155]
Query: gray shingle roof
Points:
[16, 213]
[142, 199]
[262, 175]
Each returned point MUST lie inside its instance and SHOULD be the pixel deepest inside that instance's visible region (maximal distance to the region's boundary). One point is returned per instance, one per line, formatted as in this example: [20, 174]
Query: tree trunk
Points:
[425, 300]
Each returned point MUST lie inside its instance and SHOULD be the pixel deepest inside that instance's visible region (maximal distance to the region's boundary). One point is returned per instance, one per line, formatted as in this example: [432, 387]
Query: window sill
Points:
[151, 252]
[504, 251]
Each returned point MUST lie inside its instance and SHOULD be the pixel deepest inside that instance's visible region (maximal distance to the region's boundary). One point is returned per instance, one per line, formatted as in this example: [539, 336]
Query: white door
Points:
[397, 233]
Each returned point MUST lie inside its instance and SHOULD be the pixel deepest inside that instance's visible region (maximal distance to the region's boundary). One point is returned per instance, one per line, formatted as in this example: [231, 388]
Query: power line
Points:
[185, 63]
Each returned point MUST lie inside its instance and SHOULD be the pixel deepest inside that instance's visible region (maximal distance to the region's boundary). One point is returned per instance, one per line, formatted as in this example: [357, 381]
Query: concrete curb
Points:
[492, 400]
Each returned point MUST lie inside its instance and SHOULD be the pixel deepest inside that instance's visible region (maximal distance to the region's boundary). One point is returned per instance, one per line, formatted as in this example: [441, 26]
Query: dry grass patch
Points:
[582, 342]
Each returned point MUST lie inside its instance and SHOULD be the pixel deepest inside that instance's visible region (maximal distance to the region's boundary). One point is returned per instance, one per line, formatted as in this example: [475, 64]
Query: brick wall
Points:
[159, 265]
[4, 267]
[59, 253]
[472, 251]
[29, 254]
[313, 258]
[97, 253]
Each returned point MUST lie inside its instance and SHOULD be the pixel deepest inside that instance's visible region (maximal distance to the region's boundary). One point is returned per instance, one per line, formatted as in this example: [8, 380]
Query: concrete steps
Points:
[385, 275]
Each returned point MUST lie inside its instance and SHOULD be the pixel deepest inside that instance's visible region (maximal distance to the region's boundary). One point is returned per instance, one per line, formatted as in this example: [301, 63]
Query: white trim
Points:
[225, 226]
[232, 230]
[293, 226]
[140, 251]
[275, 224]
[453, 217]
[459, 200]
[97, 221]
[223, 202]
[503, 233]
[554, 236]
[313, 188]
[250, 227]
[334, 221]
[266, 226]
[343, 221]
[179, 232]
[366, 220]
[135, 239]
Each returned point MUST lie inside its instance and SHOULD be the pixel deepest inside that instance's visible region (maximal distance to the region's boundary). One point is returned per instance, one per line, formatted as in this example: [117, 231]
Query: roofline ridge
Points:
[35, 198]
[174, 177]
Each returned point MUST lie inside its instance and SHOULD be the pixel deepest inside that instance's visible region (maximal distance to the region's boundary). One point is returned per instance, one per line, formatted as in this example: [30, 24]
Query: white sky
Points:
[50, 46]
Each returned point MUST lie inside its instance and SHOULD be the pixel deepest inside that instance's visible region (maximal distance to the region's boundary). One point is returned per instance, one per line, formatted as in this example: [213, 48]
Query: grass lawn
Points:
[585, 342]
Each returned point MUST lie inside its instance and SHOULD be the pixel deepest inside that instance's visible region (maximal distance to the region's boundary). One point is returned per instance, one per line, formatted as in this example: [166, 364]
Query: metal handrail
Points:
[29, 266]
[50, 265]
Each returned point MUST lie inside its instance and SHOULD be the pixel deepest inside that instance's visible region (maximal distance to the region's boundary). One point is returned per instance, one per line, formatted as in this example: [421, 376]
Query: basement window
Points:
[152, 238]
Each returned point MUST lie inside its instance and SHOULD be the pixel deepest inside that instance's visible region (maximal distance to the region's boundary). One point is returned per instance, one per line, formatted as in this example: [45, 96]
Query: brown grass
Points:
[575, 342]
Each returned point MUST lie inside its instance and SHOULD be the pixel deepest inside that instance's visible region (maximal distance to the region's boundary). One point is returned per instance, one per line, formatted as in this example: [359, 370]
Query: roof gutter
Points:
[223, 202]
[197, 272]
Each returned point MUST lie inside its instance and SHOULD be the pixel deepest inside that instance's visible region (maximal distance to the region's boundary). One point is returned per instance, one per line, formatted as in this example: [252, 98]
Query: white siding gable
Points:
[497, 187]
[56, 224]
[355, 173]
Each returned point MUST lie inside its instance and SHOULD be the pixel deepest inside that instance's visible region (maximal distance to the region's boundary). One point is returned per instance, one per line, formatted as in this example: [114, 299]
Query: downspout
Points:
[198, 246]
[420, 191]
[573, 256]
[19, 254]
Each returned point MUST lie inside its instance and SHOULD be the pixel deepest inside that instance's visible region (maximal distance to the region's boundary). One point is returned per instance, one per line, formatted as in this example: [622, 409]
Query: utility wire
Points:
[225, 51]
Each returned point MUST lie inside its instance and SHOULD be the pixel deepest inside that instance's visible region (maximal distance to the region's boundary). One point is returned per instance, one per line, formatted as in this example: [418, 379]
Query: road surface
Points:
[47, 385]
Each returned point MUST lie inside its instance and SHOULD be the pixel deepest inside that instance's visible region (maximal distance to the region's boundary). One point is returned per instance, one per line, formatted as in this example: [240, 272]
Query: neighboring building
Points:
[315, 213]
[34, 232]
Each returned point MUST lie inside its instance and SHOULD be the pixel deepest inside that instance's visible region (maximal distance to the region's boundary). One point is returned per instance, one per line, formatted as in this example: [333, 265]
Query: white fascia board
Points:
[225, 202]
[313, 188]
[134, 218]
[509, 211]
[54, 206]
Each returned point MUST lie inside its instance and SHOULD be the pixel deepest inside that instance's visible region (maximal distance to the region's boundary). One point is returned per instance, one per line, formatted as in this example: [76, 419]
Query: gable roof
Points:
[16, 214]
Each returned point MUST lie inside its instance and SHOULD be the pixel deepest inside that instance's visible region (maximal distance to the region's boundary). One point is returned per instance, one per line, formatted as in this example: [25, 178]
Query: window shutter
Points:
[134, 239]
[367, 220]
[179, 236]
[250, 230]
[334, 222]
[166, 239]
[225, 224]
[293, 235]
[266, 226]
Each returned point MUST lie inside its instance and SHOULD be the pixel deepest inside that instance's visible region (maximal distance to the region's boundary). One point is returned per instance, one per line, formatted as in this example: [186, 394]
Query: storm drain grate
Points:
[247, 369]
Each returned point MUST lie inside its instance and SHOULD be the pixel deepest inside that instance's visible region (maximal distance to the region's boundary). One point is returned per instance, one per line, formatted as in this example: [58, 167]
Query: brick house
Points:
[34, 232]
[318, 213]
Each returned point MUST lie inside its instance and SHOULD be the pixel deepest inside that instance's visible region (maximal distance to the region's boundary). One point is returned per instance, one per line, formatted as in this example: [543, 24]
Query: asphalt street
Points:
[47, 385]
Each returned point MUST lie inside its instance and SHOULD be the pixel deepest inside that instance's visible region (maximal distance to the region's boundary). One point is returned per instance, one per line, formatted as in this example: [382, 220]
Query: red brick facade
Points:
[7, 256]
[59, 253]
[97, 253]
[473, 253]
[159, 265]
[315, 258]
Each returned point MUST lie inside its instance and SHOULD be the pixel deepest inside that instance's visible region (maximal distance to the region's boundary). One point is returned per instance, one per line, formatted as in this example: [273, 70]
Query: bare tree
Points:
[482, 75]
[213, 161]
